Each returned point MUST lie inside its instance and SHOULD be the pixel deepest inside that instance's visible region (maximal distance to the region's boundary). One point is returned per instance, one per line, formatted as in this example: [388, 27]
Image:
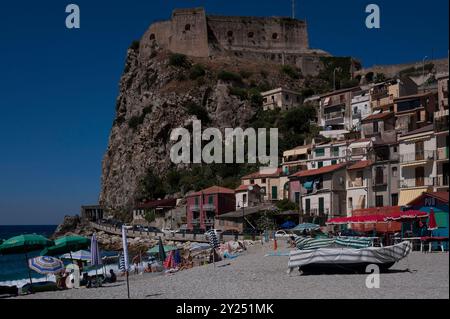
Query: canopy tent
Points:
[155, 250]
[373, 219]
[288, 225]
[305, 226]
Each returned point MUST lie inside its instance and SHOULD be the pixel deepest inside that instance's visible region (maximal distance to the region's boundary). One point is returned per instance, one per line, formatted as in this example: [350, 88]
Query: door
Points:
[274, 192]
[420, 151]
[321, 206]
[307, 205]
[420, 176]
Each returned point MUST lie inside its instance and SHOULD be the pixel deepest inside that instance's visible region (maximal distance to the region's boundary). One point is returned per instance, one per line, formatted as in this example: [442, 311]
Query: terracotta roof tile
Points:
[262, 175]
[379, 116]
[360, 165]
[213, 190]
[319, 171]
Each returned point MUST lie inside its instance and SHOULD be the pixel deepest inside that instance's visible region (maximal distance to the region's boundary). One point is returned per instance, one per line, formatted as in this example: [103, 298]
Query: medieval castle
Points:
[193, 33]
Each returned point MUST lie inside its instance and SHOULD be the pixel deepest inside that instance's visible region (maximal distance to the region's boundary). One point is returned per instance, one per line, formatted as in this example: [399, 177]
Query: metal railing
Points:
[418, 182]
[441, 181]
[333, 115]
[417, 156]
[209, 207]
[380, 180]
[194, 208]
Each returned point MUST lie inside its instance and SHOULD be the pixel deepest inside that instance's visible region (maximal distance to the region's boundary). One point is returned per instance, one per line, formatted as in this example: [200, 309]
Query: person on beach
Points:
[112, 277]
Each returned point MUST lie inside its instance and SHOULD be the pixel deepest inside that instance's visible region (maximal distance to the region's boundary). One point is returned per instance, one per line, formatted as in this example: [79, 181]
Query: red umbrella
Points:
[432, 221]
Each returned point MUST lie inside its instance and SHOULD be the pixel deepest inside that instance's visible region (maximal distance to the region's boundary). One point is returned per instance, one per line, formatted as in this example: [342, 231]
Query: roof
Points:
[258, 174]
[414, 96]
[172, 202]
[244, 188]
[356, 88]
[442, 196]
[213, 190]
[248, 211]
[360, 165]
[424, 129]
[320, 171]
[376, 117]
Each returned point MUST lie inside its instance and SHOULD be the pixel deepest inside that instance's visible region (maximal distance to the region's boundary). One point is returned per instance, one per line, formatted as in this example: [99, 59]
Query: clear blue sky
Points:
[58, 86]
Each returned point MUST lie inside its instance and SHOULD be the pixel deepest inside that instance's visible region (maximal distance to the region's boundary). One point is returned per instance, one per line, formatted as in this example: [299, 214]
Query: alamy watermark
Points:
[224, 149]
[373, 279]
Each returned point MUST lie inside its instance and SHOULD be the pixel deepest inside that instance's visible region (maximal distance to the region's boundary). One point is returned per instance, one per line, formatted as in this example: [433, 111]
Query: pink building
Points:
[204, 206]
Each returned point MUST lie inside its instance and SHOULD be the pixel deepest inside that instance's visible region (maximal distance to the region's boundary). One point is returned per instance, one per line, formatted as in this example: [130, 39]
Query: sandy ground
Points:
[252, 275]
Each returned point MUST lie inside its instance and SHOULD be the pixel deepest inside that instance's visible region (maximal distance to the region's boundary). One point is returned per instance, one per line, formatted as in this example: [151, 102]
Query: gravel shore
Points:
[252, 275]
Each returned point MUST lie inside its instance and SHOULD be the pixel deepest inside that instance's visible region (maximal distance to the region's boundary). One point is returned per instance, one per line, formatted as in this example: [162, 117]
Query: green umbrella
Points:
[23, 244]
[66, 244]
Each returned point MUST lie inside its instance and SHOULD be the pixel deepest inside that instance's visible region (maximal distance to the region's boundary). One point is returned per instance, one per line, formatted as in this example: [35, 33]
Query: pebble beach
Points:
[253, 275]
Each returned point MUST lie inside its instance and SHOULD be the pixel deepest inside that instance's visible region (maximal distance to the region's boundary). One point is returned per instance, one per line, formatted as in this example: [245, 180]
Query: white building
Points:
[327, 154]
[248, 196]
[417, 163]
[360, 107]
[281, 98]
[359, 176]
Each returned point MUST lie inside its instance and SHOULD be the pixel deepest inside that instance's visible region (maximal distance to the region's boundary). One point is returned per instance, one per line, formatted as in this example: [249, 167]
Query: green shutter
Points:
[274, 192]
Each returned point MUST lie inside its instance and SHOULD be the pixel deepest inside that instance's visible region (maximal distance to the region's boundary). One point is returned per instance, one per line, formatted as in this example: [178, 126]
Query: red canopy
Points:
[374, 219]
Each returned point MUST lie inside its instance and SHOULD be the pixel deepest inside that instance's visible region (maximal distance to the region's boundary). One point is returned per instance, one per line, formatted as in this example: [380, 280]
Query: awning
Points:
[308, 185]
[376, 219]
[418, 163]
[297, 151]
[408, 195]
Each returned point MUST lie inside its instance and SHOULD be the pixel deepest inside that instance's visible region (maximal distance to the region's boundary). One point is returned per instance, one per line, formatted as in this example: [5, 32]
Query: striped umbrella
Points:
[95, 252]
[78, 255]
[46, 265]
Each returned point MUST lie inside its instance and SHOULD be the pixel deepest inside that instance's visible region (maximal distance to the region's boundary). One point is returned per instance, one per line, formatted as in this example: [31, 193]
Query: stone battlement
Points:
[194, 33]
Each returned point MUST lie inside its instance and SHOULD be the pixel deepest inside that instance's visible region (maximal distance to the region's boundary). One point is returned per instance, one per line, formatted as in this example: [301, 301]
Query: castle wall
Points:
[273, 35]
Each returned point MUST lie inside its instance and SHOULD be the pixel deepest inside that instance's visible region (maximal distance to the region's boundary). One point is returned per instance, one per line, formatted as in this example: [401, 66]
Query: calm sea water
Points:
[14, 267]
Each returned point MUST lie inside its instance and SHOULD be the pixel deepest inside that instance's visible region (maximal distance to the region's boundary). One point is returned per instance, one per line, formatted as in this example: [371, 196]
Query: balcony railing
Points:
[209, 207]
[441, 181]
[194, 208]
[315, 212]
[335, 100]
[356, 183]
[417, 156]
[195, 221]
[418, 182]
[333, 115]
[441, 124]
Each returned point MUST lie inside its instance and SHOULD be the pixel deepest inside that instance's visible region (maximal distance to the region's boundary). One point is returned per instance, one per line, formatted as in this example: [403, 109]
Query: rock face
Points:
[69, 224]
[152, 101]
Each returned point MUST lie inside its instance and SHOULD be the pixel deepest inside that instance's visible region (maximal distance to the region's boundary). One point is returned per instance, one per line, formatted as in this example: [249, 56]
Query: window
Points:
[394, 199]
[152, 36]
[252, 181]
[251, 34]
[210, 199]
[187, 27]
[379, 201]
[265, 100]
[335, 151]
[275, 36]
[333, 162]
[375, 127]
[287, 97]
[244, 199]
[230, 34]
[395, 150]
[350, 203]
[394, 171]
[263, 181]
[196, 201]
[420, 176]
[297, 197]
[319, 164]
[320, 152]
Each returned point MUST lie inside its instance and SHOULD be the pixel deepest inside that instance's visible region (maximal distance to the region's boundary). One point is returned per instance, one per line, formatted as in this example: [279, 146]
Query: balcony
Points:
[194, 208]
[380, 180]
[442, 153]
[209, 207]
[418, 182]
[440, 113]
[315, 212]
[417, 156]
[333, 101]
[333, 115]
[441, 124]
[195, 221]
[356, 183]
[441, 181]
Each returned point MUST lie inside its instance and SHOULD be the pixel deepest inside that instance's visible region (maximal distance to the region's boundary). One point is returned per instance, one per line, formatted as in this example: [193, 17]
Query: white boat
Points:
[347, 260]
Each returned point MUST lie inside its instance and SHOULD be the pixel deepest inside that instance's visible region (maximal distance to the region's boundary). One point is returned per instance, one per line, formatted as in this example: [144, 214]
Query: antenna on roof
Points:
[293, 9]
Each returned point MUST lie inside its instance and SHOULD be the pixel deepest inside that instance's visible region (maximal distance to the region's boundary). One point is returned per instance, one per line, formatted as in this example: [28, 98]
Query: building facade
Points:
[281, 98]
[335, 112]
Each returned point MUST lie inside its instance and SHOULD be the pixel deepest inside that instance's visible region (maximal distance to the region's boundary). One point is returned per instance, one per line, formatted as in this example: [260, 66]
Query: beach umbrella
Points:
[66, 244]
[23, 244]
[125, 256]
[46, 265]
[83, 255]
[287, 225]
[162, 253]
[305, 226]
[95, 252]
[432, 225]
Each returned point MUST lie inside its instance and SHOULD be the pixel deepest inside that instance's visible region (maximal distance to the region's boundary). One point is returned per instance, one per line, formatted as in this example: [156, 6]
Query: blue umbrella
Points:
[288, 225]
[305, 226]
[46, 265]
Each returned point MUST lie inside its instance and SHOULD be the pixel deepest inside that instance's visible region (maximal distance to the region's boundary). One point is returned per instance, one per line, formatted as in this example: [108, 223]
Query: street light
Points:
[423, 72]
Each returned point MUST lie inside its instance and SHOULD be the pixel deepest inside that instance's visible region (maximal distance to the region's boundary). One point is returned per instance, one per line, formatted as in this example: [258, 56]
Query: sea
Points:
[14, 268]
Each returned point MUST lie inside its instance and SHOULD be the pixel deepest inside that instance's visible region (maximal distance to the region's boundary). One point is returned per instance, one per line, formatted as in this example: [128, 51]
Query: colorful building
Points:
[205, 205]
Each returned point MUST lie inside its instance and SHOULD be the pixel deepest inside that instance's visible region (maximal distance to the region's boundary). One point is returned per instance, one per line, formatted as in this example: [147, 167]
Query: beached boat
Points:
[347, 260]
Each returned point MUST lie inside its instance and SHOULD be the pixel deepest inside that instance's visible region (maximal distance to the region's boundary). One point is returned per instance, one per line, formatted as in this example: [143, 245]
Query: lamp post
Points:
[423, 72]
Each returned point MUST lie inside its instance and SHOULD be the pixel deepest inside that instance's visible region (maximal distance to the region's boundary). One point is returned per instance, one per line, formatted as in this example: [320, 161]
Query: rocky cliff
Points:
[160, 91]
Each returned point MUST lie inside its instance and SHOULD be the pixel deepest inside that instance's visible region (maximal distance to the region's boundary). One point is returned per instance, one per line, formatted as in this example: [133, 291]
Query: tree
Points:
[151, 186]
[150, 216]
[266, 221]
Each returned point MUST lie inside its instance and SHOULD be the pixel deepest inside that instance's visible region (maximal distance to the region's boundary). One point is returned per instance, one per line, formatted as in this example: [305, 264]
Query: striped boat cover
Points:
[372, 255]
[303, 243]
[354, 242]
